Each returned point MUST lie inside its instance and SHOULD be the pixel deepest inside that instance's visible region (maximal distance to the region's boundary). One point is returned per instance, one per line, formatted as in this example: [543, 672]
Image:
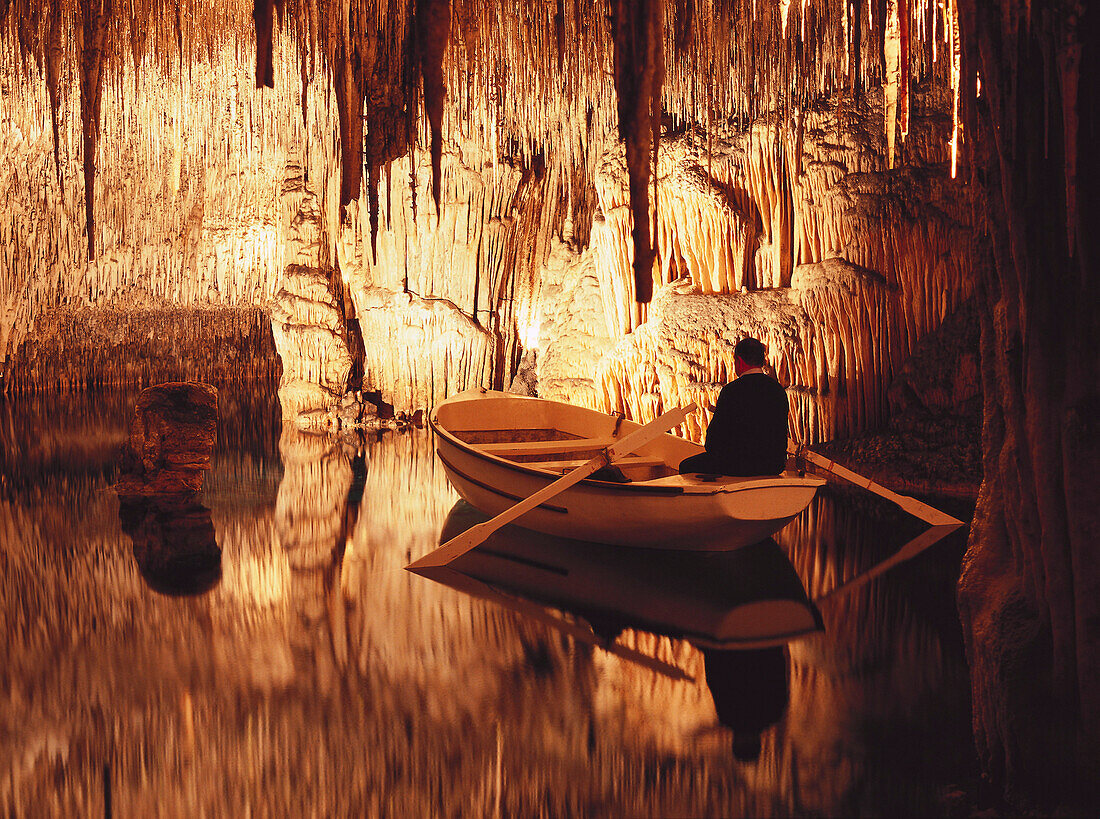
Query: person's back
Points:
[748, 433]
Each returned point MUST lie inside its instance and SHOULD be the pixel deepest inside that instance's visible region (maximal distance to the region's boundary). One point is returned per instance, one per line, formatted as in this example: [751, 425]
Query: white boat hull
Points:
[671, 511]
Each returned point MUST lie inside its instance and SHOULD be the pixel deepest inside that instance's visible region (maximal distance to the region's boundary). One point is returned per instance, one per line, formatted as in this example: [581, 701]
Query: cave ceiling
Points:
[525, 80]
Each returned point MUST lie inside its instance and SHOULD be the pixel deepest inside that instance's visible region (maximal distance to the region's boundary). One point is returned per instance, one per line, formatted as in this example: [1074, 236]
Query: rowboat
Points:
[498, 449]
[748, 598]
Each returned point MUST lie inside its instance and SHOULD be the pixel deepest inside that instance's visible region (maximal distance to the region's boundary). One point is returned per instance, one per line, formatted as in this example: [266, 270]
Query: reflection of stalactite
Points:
[72, 349]
[254, 676]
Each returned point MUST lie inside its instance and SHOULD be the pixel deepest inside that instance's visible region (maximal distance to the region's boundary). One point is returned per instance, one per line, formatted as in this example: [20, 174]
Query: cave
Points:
[340, 214]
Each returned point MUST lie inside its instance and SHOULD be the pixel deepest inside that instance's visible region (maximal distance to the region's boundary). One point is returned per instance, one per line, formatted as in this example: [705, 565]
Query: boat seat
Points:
[624, 462]
[511, 448]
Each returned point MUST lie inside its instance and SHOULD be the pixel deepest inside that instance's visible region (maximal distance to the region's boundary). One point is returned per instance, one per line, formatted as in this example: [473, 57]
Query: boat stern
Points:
[780, 498]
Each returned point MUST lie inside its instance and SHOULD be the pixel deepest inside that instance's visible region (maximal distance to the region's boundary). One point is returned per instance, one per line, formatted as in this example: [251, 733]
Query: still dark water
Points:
[304, 672]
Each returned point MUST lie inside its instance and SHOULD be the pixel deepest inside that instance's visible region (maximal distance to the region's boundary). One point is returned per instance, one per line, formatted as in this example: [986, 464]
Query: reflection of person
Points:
[750, 693]
[748, 432]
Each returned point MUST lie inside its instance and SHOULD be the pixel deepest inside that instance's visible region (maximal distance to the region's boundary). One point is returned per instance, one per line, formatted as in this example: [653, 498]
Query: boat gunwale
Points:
[639, 487]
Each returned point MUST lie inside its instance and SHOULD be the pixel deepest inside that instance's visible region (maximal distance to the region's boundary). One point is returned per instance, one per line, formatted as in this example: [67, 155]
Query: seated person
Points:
[748, 432]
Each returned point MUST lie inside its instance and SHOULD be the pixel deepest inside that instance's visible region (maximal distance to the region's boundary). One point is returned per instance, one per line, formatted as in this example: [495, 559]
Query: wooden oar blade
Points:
[916, 508]
[458, 545]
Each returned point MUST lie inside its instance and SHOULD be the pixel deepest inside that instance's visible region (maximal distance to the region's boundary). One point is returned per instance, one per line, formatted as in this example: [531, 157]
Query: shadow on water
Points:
[175, 546]
[751, 693]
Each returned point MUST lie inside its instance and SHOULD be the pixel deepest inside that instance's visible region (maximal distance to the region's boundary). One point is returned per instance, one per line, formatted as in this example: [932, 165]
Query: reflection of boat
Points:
[748, 598]
[499, 448]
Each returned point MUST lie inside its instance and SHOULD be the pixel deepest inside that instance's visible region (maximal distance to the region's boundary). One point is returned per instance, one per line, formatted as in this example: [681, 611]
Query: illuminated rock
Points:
[307, 320]
[308, 334]
[571, 331]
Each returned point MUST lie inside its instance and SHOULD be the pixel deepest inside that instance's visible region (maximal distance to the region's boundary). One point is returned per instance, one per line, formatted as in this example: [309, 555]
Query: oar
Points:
[475, 535]
[929, 514]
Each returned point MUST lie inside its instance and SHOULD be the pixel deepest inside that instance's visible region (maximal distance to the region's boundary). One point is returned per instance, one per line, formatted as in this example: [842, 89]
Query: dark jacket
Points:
[748, 433]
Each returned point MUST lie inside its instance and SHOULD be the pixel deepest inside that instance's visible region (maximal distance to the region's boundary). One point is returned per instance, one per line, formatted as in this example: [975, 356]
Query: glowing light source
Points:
[531, 335]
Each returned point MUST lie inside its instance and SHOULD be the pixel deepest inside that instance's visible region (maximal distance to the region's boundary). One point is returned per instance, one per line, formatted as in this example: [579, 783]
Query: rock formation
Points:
[171, 440]
[1029, 595]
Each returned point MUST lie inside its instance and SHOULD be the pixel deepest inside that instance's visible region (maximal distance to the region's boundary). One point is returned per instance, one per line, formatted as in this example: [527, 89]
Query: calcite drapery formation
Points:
[184, 207]
[807, 242]
[309, 334]
[345, 108]
[746, 57]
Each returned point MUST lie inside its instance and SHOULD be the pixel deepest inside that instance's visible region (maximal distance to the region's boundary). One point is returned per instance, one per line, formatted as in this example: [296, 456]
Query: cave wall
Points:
[1028, 595]
[453, 288]
[805, 197]
[805, 240]
[735, 207]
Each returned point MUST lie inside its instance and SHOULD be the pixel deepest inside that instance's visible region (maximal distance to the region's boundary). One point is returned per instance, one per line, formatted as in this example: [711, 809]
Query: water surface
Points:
[309, 674]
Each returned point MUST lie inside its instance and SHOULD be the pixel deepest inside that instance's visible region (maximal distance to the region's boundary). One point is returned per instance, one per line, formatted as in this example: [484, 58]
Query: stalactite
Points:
[263, 16]
[639, 73]
[892, 53]
[138, 37]
[873, 265]
[433, 30]
[92, 50]
[904, 22]
[1068, 66]
[351, 61]
[53, 83]
[743, 212]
